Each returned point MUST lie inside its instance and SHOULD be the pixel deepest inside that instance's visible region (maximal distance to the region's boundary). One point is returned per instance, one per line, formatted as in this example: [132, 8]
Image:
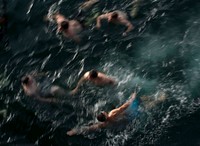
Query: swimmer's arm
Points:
[122, 108]
[76, 39]
[86, 5]
[59, 30]
[109, 80]
[112, 81]
[80, 82]
[129, 26]
[73, 37]
[104, 16]
[86, 129]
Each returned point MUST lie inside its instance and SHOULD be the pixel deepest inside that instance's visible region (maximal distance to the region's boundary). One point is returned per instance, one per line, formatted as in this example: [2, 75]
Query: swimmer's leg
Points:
[57, 91]
[159, 99]
[135, 8]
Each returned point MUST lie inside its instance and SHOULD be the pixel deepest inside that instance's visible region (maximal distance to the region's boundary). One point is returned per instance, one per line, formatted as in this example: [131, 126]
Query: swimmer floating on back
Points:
[95, 77]
[105, 119]
[117, 17]
[69, 28]
[32, 89]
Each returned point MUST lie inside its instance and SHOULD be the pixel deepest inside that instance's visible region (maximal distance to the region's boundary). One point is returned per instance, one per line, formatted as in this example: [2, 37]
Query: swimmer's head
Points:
[64, 25]
[102, 117]
[93, 74]
[25, 80]
[113, 16]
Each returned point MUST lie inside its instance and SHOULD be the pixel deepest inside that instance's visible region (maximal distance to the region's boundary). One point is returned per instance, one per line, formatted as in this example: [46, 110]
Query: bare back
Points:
[122, 18]
[74, 27]
[101, 80]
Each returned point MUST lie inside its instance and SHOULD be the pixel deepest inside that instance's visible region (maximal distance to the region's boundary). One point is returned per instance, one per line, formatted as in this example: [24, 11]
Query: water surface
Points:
[160, 55]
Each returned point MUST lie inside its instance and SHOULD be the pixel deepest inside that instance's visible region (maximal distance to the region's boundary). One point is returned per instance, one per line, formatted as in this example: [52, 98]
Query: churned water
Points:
[161, 55]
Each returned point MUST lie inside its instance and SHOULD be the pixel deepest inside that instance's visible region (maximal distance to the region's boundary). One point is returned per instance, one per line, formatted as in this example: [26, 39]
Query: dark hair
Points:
[101, 117]
[64, 25]
[93, 73]
[25, 80]
[114, 15]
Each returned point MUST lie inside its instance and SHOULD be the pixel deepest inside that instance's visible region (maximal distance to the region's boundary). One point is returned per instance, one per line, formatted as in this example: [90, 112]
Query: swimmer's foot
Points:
[162, 97]
[144, 98]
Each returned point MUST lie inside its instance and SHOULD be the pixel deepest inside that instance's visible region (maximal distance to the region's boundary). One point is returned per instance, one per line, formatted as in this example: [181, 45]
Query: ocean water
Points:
[161, 55]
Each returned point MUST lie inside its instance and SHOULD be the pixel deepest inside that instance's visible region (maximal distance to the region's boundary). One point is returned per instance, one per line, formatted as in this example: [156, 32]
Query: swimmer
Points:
[69, 28]
[135, 8]
[121, 114]
[88, 4]
[149, 103]
[105, 119]
[32, 89]
[95, 77]
[117, 17]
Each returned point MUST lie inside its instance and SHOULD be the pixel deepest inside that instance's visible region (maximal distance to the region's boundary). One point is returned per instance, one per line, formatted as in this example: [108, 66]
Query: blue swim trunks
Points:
[133, 110]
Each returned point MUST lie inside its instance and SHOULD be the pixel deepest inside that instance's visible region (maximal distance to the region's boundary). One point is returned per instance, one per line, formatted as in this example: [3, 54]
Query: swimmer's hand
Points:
[124, 34]
[72, 132]
[59, 30]
[98, 26]
[73, 92]
[76, 39]
[50, 18]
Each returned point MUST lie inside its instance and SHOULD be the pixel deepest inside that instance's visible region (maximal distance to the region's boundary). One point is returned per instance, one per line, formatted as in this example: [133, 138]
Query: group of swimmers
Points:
[31, 88]
[72, 29]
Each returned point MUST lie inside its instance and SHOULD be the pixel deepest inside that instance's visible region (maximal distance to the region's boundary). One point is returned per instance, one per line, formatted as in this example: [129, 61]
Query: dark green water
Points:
[160, 54]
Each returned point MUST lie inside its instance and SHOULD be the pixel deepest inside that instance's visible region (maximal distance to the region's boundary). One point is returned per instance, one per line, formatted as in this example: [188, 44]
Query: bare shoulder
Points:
[104, 15]
[74, 21]
[86, 75]
[59, 16]
[114, 113]
[103, 75]
[121, 13]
